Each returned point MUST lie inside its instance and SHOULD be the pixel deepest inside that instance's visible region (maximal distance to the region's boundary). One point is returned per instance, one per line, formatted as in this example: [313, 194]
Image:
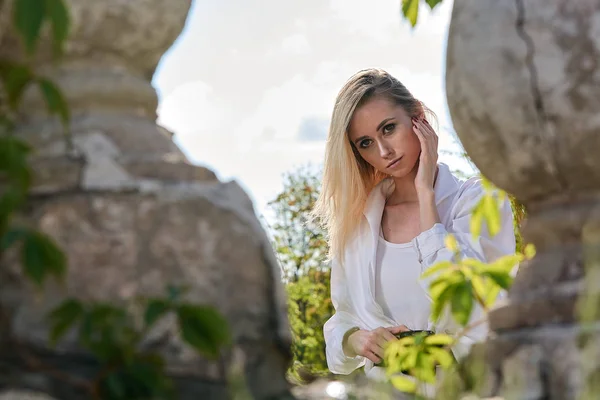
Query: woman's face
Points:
[382, 132]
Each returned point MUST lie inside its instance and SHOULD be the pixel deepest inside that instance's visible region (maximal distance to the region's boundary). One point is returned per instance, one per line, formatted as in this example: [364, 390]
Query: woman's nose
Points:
[384, 150]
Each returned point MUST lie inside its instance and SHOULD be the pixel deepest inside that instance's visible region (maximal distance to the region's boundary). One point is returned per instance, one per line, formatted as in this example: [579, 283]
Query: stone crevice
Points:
[535, 88]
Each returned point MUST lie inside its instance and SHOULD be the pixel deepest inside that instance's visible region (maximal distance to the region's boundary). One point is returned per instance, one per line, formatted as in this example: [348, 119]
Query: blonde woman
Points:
[387, 205]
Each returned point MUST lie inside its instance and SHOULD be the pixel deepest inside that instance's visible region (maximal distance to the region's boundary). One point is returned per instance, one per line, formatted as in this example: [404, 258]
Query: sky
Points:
[249, 85]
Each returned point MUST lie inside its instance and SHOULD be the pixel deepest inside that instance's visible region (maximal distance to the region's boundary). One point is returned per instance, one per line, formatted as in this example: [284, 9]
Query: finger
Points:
[378, 351]
[426, 128]
[388, 336]
[419, 134]
[371, 356]
[397, 329]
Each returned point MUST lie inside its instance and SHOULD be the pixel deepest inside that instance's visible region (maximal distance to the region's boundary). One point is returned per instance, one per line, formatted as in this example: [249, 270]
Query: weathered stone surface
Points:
[522, 374]
[554, 305]
[56, 174]
[524, 94]
[134, 216]
[522, 80]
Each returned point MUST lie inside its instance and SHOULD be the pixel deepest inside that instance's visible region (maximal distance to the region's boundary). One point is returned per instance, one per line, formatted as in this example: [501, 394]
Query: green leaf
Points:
[529, 251]
[439, 340]
[115, 386]
[28, 18]
[13, 161]
[433, 3]
[54, 100]
[491, 212]
[41, 256]
[442, 356]
[425, 368]
[438, 287]
[491, 296]
[440, 266]
[60, 20]
[476, 221]
[203, 328]
[410, 9]
[404, 384]
[500, 277]
[480, 287]
[155, 309]
[106, 332]
[15, 78]
[63, 317]
[11, 236]
[9, 202]
[441, 302]
[462, 303]
[451, 243]
[473, 263]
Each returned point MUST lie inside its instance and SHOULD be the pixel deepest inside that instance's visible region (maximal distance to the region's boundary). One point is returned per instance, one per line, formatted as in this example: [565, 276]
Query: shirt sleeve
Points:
[431, 249]
[341, 321]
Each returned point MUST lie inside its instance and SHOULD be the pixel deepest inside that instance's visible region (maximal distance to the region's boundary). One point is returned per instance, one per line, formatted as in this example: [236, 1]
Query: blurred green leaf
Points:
[404, 384]
[41, 256]
[28, 18]
[529, 251]
[54, 100]
[11, 236]
[491, 212]
[492, 295]
[15, 78]
[63, 317]
[203, 328]
[433, 3]
[499, 276]
[115, 387]
[410, 9]
[13, 162]
[142, 379]
[425, 368]
[440, 303]
[440, 266]
[476, 221]
[155, 309]
[462, 303]
[442, 356]
[9, 202]
[439, 340]
[106, 331]
[60, 20]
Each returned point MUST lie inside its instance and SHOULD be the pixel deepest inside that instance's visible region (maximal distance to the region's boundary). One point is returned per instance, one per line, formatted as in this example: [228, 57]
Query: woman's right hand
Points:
[371, 344]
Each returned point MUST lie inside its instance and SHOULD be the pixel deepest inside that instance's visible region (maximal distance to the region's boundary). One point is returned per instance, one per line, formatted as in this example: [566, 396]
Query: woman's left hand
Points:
[429, 155]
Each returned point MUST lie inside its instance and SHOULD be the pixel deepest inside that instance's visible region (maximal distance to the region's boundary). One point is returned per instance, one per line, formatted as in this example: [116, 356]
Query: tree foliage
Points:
[301, 248]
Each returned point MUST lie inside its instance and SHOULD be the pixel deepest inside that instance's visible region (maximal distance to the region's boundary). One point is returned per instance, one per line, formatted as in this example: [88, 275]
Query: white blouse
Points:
[397, 289]
[367, 292]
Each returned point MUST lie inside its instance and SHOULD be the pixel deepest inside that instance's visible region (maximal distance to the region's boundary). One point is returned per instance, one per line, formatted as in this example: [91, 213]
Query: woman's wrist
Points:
[429, 215]
[348, 351]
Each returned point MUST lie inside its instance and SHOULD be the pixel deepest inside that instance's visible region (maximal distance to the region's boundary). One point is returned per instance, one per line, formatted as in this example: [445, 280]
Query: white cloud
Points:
[296, 44]
[245, 76]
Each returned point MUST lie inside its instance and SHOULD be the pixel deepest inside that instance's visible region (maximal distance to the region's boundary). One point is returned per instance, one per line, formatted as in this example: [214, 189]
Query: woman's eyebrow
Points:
[382, 123]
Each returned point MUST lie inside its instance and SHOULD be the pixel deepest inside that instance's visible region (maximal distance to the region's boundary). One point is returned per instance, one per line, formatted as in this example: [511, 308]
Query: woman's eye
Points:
[365, 143]
[389, 128]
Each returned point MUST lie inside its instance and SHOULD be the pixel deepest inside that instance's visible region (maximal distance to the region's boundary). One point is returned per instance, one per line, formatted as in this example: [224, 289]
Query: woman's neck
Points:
[404, 189]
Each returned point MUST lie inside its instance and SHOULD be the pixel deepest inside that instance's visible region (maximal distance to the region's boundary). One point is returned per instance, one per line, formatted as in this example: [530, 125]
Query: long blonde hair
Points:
[347, 178]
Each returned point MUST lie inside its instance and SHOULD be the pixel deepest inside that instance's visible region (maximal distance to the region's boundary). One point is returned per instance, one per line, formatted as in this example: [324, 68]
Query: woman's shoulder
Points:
[469, 193]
